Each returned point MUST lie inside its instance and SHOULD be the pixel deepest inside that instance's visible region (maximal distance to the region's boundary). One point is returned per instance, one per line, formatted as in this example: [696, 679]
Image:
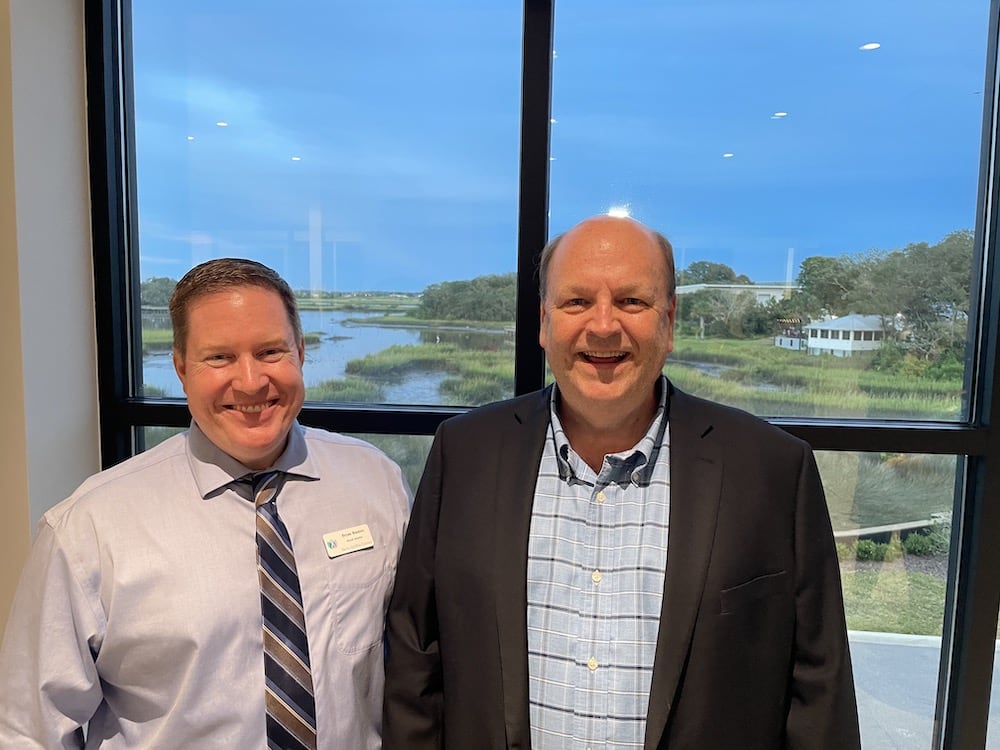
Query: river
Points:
[340, 343]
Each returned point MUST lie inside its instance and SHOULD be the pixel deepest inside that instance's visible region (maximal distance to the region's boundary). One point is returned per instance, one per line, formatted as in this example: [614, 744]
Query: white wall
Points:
[49, 432]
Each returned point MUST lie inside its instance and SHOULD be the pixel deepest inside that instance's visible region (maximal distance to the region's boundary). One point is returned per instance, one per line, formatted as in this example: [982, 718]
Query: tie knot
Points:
[264, 486]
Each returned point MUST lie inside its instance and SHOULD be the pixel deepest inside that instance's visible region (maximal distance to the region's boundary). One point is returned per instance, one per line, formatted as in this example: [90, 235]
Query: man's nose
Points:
[250, 376]
[604, 320]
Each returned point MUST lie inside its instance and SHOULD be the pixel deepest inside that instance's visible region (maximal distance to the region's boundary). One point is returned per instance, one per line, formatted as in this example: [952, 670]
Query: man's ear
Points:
[179, 366]
[542, 338]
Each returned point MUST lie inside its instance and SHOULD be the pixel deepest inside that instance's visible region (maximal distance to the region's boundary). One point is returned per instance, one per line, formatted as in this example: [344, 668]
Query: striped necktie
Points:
[291, 706]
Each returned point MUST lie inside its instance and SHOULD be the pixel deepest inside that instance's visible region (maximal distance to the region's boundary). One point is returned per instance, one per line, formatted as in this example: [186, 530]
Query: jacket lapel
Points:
[520, 439]
[695, 482]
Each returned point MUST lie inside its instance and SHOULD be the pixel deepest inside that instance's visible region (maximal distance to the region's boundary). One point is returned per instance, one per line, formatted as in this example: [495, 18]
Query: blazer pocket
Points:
[761, 587]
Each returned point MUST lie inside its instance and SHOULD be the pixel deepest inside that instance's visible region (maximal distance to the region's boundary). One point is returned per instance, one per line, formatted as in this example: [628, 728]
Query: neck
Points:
[594, 436]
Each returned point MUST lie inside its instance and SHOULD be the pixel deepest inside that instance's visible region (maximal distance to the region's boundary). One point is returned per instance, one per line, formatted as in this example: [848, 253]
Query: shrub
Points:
[866, 549]
[893, 550]
[919, 545]
[927, 542]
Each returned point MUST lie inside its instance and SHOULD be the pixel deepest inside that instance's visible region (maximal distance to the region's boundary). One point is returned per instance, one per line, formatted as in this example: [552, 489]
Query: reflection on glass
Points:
[993, 728]
[409, 451]
[153, 436]
[368, 154]
[820, 208]
[891, 516]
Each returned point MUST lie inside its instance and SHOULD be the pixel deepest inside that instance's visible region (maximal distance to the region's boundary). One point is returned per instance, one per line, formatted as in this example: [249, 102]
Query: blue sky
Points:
[375, 145]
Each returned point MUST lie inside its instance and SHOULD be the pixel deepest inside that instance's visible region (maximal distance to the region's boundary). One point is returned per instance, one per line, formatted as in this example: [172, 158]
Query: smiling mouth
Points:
[251, 408]
[603, 358]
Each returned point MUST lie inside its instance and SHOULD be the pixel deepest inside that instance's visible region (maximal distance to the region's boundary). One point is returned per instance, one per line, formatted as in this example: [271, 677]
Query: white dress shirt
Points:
[137, 620]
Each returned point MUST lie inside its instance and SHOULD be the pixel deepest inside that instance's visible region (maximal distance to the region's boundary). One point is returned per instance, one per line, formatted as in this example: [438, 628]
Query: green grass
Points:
[478, 376]
[387, 303]
[892, 600]
[161, 339]
[349, 390]
[770, 381]
[157, 339]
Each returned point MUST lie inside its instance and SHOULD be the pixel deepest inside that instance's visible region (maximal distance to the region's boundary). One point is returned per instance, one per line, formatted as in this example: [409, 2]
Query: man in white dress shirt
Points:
[137, 622]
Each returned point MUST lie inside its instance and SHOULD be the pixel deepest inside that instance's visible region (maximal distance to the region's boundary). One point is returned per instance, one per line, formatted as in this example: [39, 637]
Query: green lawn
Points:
[892, 600]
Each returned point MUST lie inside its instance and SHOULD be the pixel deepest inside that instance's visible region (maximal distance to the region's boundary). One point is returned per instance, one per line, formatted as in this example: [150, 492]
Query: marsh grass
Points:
[478, 376]
[162, 339]
[348, 390]
[770, 381]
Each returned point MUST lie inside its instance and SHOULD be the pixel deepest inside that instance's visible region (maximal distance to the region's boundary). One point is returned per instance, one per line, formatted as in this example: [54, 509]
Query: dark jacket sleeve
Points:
[823, 709]
[412, 711]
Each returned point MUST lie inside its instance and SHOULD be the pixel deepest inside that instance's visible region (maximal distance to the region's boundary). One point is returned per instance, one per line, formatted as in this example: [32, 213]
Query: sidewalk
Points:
[895, 677]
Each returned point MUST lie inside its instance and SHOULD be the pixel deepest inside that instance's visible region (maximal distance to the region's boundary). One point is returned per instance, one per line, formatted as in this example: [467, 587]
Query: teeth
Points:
[249, 408]
[604, 355]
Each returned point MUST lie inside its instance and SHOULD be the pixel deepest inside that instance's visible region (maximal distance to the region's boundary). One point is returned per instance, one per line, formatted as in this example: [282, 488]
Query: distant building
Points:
[845, 336]
[155, 317]
[790, 334]
[763, 293]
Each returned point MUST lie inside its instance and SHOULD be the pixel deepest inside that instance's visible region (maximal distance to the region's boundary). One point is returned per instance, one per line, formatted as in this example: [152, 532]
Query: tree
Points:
[482, 298]
[929, 285]
[829, 282]
[718, 312]
[922, 288]
[155, 292]
[707, 272]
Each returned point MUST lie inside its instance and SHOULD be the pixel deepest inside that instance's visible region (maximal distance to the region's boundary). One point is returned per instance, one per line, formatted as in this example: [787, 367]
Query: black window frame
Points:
[973, 589]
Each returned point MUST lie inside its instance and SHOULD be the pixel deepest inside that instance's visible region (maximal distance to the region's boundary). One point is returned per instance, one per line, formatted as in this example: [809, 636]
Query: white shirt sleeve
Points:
[49, 686]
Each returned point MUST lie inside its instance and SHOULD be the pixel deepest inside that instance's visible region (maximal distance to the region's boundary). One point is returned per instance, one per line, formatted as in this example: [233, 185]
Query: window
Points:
[375, 177]
[835, 157]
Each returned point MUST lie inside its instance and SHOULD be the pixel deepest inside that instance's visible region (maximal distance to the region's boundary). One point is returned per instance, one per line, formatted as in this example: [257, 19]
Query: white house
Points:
[846, 335]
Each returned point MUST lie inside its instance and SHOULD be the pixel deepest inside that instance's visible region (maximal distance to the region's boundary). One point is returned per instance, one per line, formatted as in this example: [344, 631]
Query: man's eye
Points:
[633, 302]
[272, 355]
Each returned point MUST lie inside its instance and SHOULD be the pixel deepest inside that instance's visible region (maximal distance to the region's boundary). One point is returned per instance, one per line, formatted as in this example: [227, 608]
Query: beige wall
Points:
[13, 452]
[49, 429]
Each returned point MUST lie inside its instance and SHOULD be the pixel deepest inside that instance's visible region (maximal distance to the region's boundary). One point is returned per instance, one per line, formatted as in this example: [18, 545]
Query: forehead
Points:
[622, 256]
[237, 309]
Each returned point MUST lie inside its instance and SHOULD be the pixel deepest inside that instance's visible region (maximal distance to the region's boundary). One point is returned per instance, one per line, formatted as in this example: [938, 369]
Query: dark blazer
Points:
[752, 649]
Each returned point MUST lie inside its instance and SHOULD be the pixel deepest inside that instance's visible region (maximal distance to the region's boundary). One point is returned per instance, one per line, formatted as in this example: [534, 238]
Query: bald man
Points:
[610, 562]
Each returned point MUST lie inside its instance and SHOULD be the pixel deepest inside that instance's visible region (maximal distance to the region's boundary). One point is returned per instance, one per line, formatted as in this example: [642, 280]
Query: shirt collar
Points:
[638, 461]
[214, 470]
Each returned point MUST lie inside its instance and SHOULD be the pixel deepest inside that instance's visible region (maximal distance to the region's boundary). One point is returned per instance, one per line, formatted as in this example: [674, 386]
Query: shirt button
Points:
[601, 497]
[592, 664]
[596, 576]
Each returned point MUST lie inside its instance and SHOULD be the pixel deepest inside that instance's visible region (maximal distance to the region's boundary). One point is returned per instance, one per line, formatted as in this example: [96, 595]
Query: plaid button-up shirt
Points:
[597, 557]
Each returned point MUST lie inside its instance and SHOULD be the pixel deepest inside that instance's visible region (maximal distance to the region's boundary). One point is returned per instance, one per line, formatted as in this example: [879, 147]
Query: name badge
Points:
[349, 540]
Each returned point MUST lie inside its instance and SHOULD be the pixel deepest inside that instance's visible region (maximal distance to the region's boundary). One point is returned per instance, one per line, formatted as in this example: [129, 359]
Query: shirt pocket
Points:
[756, 589]
[360, 584]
